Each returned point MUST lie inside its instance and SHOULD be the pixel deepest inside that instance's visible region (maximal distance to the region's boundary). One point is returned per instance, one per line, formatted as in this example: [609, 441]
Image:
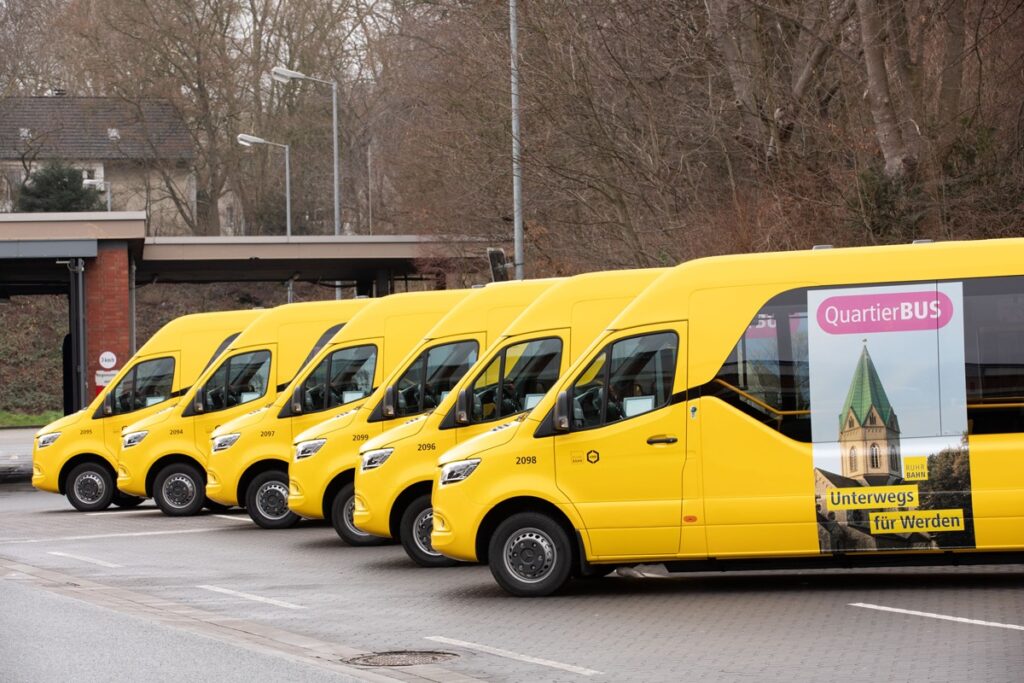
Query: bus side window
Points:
[994, 354]
[766, 374]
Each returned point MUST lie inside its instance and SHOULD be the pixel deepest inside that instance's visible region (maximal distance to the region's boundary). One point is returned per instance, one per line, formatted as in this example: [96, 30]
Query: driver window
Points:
[636, 379]
[239, 379]
[314, 388]
[147, 384]
[248, 376]
[153, 380]
[351, 374]
[516, 379]
[432, 375]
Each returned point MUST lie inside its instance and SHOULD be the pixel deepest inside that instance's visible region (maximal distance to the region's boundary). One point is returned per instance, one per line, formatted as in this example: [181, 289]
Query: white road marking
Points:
[932, 615]
[118, 513]
[250, 596]
[235, 518]
[94, 536]
[515, 655]
[82, 558]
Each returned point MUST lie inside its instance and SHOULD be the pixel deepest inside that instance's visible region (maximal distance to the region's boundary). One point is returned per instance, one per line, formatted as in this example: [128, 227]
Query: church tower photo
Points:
[869, 431]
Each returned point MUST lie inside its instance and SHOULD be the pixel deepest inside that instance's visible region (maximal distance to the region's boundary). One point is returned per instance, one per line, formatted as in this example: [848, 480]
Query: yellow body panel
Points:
[190, 340]
[480, 317]
[573, 312]
[287, 332]
[745, 489]
[392, 325]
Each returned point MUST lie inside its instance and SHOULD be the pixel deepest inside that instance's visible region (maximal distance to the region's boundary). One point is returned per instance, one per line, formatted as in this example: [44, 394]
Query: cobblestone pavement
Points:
[16, 454]
[301, 595]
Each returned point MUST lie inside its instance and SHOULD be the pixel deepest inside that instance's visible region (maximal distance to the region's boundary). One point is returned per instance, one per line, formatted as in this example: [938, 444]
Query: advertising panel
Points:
[889, 417]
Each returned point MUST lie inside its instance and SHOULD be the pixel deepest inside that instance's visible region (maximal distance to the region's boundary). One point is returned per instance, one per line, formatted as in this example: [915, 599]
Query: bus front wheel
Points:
[530, 555]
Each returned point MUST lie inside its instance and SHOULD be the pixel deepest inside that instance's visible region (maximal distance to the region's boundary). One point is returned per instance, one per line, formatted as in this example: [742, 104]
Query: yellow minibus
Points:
[323, 470]
[77, 454]
[834, 407]
[248, 459]
[509, 379]
[163, 456]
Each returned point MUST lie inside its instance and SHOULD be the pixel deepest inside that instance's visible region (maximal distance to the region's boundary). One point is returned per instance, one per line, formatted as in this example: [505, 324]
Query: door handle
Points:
[661, 439]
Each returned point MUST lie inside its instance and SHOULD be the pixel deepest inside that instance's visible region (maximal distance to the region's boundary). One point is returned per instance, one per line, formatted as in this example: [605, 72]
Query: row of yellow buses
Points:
[832, 407]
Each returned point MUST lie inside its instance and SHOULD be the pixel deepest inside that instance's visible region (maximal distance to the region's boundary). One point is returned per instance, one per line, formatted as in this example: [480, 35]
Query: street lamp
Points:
[283, 75]
[250, 140]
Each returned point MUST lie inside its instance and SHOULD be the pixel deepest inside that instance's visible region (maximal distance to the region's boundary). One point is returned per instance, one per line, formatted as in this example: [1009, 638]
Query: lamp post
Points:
[517, 168]
[250, 140]
[285, 75]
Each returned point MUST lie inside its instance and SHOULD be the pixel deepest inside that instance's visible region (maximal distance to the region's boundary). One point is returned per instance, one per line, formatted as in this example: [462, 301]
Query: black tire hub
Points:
[89, 487]
[179, 490]
[530, 555]
[272, 500]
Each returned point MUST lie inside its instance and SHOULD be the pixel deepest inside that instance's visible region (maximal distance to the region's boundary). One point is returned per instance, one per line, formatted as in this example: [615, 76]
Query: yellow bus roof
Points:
[490, 309]
[171, 336]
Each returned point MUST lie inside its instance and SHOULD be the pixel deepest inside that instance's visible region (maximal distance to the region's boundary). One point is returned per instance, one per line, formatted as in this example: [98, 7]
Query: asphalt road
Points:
[16, 454]
[135, 595]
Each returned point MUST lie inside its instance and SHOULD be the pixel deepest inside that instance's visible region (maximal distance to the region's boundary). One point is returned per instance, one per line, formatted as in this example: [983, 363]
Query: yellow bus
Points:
[77, 454]
[248, 460]
[835, 407]
[509, 379]
[326, 456]
[163, 456]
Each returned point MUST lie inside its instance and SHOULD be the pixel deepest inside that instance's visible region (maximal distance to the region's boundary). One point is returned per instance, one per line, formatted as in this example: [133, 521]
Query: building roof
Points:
[866, 390]
[92, 128]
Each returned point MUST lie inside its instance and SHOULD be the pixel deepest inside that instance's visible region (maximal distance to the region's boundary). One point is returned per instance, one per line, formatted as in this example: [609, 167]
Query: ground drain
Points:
[401, 658]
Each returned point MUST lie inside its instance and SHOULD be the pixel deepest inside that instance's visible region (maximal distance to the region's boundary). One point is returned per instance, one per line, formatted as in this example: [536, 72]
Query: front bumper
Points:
[131, 478]
[374, 499]
[455, 526]
[45, 473]
[220, 488]
[305, 489]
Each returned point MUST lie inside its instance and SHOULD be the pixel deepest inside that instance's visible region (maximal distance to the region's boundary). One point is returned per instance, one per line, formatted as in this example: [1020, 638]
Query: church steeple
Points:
[869, 431]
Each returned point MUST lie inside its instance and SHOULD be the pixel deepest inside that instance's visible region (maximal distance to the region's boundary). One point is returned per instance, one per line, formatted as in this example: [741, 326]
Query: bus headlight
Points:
[48, 439]
[133, 439]
[455, 472]
[304, 449]
[375, 458]
[224, 442]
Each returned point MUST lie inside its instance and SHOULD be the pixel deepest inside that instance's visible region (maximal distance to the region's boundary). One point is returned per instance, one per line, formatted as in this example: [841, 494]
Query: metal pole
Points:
[369, 186]
[110, 189]
[337, 175]
[517, 171]
[131, 304]
[337, 168]
[288, 190]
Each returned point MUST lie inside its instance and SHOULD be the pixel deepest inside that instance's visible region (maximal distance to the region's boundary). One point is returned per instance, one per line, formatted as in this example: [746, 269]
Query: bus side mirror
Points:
[108, 403]
[562, 412]
[199, 400]
[388, 409]
[297, 401]
[462, 407]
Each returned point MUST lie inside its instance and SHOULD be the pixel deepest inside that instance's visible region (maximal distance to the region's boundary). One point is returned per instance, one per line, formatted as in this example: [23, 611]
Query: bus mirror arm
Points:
[562, 412]
[462, 408]
[199, 400]
[108, 403]
[388, 408]
[297, 401]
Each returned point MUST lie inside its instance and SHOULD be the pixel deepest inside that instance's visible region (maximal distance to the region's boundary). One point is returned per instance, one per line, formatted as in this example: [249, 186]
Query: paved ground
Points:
[16, 454]
[136, 595]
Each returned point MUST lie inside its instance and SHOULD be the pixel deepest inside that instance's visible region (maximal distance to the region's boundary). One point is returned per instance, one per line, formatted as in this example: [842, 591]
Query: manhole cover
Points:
[401, 658]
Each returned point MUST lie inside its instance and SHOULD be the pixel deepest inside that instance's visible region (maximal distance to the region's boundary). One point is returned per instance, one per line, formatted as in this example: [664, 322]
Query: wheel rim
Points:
[421, 528]
[530, 555]
[272, 500]
[89, 487]
[348, 518]
[179, 490]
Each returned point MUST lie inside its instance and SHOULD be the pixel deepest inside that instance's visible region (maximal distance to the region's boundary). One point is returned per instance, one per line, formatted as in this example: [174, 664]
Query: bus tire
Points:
[90, 487]
[127, 502]
[530, 555]
[414, 533]
[341, 519]
[266, 501]
[179, 490]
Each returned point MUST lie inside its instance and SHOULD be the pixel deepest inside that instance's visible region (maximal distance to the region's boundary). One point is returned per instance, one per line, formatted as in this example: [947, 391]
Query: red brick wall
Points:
[106, 309]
